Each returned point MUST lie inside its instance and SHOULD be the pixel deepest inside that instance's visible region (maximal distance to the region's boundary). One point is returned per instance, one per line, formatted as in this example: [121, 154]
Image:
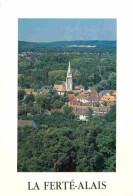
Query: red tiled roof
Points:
[60, 110]
[94, 93]
[79, 87]
[76, 91]
[108, 98]
[70, 96]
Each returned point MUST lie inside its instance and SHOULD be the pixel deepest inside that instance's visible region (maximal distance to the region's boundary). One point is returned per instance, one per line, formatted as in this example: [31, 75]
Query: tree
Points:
[58, 104]
[45, 76]
[21, 94]
[90, 112]
[105, 103]
[111, 114]
[29, 99]
[46, 150]
[68, 114]
[106, 143]
[70, 92]
[41, 101]
[57, 76]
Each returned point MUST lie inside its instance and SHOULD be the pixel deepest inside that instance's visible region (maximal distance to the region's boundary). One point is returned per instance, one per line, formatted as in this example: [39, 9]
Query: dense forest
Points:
[61, 142]
[91, 66]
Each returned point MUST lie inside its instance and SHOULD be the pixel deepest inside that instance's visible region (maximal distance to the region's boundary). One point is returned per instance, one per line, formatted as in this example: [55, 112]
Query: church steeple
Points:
[69, 78]
[69, 69]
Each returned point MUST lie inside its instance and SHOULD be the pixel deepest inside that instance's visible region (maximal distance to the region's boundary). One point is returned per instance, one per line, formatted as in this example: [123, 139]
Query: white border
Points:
[13, 183]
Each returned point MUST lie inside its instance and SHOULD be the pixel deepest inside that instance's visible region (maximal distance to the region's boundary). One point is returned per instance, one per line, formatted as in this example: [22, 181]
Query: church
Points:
[68, 85]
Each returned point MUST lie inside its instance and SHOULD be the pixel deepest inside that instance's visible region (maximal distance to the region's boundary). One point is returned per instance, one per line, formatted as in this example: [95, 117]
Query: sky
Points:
[49, 30]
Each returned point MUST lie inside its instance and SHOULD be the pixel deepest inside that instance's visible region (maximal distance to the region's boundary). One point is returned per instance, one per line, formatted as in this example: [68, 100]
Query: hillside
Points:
[63, 45]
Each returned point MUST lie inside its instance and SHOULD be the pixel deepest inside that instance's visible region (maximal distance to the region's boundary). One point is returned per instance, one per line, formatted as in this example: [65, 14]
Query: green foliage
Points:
[90, 112]
[70, 92]
[57, 77]
[84, 147]
[45, 150]
[58, 104]
[29, 99]
[41, 101]
[76, 94]
[61, 46]
[21, 94]
[91, 66]
[68, 114]
[111, 115]
[49, 101]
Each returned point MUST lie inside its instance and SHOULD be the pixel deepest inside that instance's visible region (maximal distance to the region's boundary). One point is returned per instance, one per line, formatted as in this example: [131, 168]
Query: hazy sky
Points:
[48, 30]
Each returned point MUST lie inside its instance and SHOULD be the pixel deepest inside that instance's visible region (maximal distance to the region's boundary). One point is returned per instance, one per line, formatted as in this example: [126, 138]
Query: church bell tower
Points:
[69, 79]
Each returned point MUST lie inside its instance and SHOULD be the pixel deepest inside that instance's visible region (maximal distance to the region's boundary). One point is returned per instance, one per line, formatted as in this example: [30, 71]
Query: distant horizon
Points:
[58, 29]
[64, 41]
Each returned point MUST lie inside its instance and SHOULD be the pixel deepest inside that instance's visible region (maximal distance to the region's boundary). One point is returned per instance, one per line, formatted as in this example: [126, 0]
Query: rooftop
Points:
[80, 110]
[61, 87]
[108, 98]
[22, 123]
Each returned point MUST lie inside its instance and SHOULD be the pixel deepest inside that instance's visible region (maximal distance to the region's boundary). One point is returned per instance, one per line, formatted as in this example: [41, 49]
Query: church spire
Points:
[69, 69]
[69, 78]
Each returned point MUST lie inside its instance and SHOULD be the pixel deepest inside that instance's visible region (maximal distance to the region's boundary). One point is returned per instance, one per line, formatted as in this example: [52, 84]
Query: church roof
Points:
[61, 87]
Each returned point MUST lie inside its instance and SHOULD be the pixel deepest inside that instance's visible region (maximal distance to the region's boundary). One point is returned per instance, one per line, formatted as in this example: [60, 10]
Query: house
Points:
[91, 89]
[33, 93]
[107, 92]
[23, 123]
[89, 104]
[76, 91]
[82, 97]
[61, 89]
[29, 91]
[73, 102]
[100, 111]
[108, 98]
[43, 90]
[114, 94]
[71, 96]
[94, 93]
[81, 112]
[80, 87]
[94, 98]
